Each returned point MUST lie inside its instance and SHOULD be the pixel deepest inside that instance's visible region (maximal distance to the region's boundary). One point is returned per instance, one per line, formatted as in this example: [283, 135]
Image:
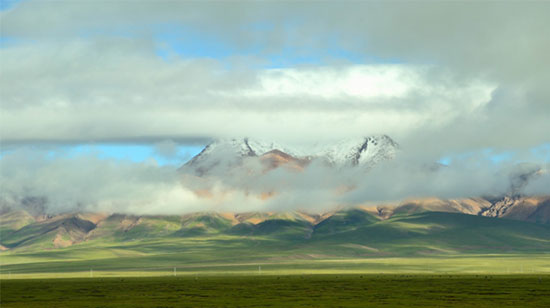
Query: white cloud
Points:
[84, 182]
[468, 76]
[362, 82]
[85, 78]
[80, 92]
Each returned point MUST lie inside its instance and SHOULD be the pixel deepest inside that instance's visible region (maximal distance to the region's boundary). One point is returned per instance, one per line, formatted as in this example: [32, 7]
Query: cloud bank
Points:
[443, 79]
[144, 98]
[70, 183]
[464, 75]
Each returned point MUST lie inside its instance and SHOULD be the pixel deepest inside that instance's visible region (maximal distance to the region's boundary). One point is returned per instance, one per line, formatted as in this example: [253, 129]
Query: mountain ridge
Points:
[20, 230]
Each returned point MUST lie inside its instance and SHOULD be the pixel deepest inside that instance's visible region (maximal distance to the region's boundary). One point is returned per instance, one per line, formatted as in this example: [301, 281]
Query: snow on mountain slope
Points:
[366, 151]
[224, 154]
[227, 153]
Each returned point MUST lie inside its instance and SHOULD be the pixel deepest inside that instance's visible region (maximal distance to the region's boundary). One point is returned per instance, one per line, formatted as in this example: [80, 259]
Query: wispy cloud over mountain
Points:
[69, 183]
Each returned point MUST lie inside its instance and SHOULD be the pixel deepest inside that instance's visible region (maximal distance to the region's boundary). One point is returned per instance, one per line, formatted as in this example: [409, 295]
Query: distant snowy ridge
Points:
[246, 147]
[366, 151]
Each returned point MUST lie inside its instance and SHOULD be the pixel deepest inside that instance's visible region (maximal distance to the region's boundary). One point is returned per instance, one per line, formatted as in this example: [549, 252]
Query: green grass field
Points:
[164, 266]
[350, 242]
[282, 291]
[350, 259]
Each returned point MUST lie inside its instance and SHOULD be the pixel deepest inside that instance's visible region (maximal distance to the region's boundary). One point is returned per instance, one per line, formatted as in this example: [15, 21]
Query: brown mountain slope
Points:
[275, 159]
[532, 209]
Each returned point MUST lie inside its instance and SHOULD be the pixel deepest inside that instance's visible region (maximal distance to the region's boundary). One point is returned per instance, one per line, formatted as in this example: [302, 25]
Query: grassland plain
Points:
[164, 265]
[420, 259]
[282, 291]
[350, 241]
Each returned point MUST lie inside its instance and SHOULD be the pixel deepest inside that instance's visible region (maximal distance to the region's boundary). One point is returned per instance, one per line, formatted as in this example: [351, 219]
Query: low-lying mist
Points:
[85, 182]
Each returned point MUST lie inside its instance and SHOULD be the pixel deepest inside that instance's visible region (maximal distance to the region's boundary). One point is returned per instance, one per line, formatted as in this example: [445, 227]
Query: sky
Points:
[137, 88]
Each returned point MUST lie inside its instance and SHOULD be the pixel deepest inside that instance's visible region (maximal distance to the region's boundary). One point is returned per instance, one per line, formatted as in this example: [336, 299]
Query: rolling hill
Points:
[428, 226]
[219, 242]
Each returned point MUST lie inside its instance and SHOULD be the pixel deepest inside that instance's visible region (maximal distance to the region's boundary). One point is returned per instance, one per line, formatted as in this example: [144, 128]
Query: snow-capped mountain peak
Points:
[227, 153]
